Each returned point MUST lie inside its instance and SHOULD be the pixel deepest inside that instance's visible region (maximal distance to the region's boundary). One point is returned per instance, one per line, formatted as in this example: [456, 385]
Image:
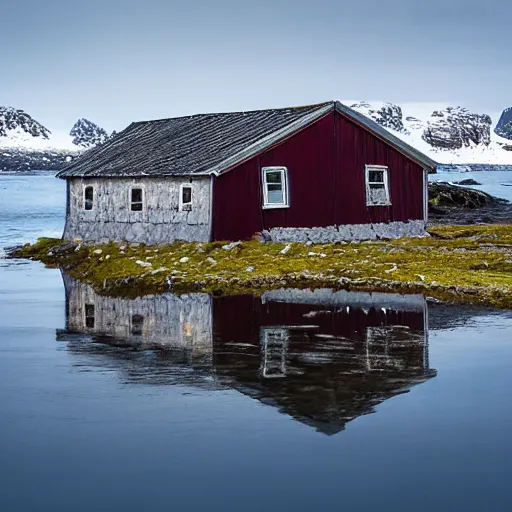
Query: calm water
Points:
[292, 401]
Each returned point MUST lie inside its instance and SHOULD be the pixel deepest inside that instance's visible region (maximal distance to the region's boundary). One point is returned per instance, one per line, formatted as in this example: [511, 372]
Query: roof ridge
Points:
[215, 114]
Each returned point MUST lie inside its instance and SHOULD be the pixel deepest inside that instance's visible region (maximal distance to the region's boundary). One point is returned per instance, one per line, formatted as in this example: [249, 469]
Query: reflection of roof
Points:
[212, 143]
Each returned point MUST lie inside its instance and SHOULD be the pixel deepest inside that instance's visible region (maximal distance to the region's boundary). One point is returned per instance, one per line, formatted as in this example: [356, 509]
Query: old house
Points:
[322, 357]
[320, 172]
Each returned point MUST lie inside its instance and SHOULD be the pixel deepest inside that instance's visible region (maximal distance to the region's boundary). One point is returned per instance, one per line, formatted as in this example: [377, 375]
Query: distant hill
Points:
[25, 144]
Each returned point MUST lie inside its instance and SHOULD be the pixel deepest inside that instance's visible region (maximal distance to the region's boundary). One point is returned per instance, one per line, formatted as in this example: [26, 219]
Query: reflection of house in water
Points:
[320, 357]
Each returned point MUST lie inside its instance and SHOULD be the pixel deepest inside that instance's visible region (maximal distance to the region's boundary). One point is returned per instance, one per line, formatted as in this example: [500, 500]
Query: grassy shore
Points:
[456, 263]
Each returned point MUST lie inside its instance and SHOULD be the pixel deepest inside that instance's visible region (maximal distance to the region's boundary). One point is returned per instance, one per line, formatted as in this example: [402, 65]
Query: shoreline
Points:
[461, 264]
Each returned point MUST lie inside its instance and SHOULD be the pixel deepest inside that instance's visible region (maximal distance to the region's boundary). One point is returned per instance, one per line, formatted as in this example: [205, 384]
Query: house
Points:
[320, 172]
[322, 357]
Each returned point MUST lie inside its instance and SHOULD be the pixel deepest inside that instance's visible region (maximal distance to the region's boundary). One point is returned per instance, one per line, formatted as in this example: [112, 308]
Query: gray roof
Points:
[210, 143]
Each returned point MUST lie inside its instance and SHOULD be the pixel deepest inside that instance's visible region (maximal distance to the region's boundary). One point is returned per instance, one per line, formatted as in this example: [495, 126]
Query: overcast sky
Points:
[114, 61]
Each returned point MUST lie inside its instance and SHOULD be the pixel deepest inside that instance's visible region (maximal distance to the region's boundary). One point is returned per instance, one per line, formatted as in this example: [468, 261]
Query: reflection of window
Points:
[88, 198]
[379, 342]
[136, 199]
[274, 343]
[89, 316]
[185, 198]
[377, 185]
[137, 324]
[275, 187]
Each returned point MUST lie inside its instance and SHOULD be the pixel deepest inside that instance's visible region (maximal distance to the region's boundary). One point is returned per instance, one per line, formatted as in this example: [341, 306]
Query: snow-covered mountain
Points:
[448, 134]
[86, 134]
[25, 144]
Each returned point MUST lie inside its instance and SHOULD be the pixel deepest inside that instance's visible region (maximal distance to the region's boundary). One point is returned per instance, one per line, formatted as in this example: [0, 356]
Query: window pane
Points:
[137, 324]
[376, 176]
[186, 195]
[89, 198]
[136, 207]
[275, 196]
[136, 195]
[89, 316]
[378, 195]
[274, 177]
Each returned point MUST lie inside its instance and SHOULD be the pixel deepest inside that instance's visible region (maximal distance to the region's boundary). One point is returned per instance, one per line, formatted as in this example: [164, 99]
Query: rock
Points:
[249, 269]
[211, 261]
[87, 134]
[445, 194]
[232, 245]
[184, 259]
[97, 251]
[146, 264]
[457, 127]
[469, 181]
[504, 126]
[158, 270]
[286, 249]
[387, 115]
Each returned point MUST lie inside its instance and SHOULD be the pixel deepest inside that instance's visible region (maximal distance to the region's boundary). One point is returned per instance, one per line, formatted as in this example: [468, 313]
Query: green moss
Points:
[465, 264]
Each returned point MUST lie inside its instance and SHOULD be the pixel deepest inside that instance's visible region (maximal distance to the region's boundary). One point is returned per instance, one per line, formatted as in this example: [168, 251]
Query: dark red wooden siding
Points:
[326, 170]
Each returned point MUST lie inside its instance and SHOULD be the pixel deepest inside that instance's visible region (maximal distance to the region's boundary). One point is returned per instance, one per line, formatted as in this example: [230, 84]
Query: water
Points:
[286, 402]
[496, 183]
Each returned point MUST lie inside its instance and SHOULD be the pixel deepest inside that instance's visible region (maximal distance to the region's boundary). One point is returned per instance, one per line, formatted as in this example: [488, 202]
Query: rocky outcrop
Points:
[19, 122]
[457, 127]
[387, 115]
[504, 126]
[87, 134]
[446, 194]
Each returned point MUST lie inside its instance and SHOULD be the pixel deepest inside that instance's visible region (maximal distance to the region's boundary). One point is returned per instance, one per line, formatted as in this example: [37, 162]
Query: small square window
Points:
[185, 198]
[136, 199]
[88, 198]
[275, 187]
[377, 186]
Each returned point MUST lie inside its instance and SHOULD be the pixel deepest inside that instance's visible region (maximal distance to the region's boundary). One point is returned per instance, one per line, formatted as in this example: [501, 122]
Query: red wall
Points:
[326, 173]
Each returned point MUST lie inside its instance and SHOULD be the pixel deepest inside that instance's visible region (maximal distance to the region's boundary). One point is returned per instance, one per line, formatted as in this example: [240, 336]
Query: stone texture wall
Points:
[181, 322]
[350, 232]
[160, 221]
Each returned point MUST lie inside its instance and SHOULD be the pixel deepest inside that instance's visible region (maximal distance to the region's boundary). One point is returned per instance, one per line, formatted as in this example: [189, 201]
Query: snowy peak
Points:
[87, 134]
[387, 115]
[17, 124]
[504, 126]
[457, 127]
[447, 134]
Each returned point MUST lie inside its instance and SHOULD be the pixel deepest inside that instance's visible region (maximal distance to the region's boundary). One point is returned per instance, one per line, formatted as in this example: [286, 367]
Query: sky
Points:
[114, 61]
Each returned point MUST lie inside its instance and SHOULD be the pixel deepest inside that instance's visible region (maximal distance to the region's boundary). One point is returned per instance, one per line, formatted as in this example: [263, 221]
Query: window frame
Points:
[185, 207]
[85, 200]
[284, 183]
[385, 182]
[143, 202]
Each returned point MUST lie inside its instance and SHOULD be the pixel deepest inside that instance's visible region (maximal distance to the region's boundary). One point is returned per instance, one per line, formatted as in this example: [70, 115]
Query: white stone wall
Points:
[349, 232]
[160, 222]
[181, 322]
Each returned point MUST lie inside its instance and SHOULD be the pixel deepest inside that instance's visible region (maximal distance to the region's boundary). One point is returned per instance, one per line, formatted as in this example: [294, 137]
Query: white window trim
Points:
[143, 188]
[284, 173]
[180, 199]
[93, 198]
[368, 169]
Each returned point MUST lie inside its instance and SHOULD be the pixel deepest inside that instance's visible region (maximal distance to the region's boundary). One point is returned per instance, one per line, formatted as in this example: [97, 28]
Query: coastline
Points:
[462, 264]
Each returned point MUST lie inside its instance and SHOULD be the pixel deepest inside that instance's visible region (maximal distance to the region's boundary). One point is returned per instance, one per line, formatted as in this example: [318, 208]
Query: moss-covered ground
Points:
[457, 263]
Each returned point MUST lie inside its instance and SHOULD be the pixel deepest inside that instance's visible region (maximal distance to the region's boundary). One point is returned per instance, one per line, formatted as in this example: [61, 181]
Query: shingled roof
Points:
[210, 143]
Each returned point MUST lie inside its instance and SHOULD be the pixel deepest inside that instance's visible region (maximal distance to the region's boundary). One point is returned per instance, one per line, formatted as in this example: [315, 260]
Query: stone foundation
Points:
[349, 232]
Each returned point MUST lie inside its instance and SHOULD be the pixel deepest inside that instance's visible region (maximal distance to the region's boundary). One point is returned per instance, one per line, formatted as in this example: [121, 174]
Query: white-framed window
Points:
[136, 199]
[185, 203]
[88, 197]
[377, 185]
[275, 187]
